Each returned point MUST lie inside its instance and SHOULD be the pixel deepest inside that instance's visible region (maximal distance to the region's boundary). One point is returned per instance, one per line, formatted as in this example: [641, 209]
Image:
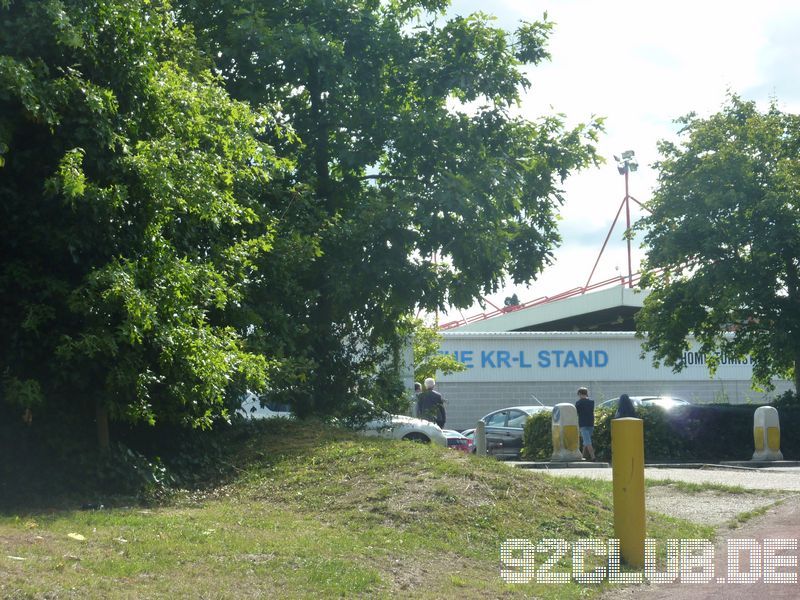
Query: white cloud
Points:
[641, 65]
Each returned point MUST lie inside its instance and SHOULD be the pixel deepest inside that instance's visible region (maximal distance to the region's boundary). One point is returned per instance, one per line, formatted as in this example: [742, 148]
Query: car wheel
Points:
[415, 436]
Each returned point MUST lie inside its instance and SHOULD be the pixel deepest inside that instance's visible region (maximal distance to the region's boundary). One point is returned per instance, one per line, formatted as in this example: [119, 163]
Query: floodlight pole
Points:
[628, 226]
[624, 168]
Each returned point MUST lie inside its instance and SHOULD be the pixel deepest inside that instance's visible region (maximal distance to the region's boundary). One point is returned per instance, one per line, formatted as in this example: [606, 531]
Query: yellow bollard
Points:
[565, 433]
[627, 465]
[767, 434]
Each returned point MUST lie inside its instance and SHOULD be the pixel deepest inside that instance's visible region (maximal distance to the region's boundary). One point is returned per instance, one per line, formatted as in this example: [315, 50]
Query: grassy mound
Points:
[312, 511]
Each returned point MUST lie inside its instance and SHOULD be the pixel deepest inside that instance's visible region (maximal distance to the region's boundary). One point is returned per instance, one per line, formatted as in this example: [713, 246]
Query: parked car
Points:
[385, 425]
[457, 441]
[252, 408]
[401, 427]
[665, 402]
[504, 429]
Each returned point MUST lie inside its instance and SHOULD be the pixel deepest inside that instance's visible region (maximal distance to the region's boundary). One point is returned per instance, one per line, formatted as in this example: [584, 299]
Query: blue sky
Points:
[641, 65]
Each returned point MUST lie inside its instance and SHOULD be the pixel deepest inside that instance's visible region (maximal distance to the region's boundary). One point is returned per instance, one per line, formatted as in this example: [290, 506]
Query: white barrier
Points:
[767, 434]
[566, 437]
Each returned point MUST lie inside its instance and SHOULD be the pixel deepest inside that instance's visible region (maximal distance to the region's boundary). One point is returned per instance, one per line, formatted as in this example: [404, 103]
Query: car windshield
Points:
[517, 419]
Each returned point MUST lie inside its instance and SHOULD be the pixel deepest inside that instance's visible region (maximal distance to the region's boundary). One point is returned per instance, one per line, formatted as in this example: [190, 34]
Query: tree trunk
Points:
[101, 417]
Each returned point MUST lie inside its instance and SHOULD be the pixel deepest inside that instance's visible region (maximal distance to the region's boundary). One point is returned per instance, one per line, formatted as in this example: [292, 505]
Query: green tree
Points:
[723, 241]
[427, 190]
[428, 361]
[132, 215]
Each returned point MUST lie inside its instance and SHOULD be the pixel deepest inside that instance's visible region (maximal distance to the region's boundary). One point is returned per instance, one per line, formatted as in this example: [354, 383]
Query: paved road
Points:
[754, 479]
[780, 522]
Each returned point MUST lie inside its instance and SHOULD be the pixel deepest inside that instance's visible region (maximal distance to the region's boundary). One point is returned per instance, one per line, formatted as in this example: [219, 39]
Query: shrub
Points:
[537, 441]
[788, 399]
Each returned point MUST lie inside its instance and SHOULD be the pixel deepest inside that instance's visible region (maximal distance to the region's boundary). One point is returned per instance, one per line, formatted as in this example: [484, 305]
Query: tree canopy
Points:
[723, 241]
[129, 224]
[204, 196]
[427, 190]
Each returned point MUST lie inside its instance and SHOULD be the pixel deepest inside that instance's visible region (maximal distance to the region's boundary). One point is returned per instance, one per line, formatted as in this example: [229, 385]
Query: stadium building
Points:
[546, 349]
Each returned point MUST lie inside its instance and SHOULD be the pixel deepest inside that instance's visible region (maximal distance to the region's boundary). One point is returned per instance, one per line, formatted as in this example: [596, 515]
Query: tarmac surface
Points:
[780, 522]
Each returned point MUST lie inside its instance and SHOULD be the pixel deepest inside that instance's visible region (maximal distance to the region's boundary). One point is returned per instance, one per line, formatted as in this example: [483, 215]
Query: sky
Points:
[640, 65]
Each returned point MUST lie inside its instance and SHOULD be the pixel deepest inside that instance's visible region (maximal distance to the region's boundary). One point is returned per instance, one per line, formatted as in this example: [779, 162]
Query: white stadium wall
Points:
[508, 368]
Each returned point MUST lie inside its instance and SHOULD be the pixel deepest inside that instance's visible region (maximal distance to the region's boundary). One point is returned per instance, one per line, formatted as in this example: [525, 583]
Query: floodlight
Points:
[627, 162]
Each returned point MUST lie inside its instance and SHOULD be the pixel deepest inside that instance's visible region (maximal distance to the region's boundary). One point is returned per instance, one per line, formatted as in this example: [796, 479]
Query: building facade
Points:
[520, 367]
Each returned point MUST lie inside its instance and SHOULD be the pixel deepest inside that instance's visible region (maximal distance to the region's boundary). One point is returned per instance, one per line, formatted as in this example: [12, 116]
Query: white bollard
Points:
[767, 434]
[480, 438]
[566, 437]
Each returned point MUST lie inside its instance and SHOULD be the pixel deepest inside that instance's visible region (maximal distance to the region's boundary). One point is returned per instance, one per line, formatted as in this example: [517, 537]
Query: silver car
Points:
[504, 429]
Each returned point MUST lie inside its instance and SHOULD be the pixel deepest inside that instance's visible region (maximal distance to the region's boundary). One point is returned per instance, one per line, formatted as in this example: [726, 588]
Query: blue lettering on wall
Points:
[544, 359]
[503, 357]
[570, 361]
[557, 354]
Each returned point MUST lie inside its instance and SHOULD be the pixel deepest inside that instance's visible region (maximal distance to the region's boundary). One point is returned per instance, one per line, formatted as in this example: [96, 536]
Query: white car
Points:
[385, 425]
[664, 402]
[252, 409]
[401, 427]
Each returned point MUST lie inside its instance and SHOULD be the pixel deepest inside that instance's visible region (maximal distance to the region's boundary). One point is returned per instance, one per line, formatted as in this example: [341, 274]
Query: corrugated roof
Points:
[585, 312]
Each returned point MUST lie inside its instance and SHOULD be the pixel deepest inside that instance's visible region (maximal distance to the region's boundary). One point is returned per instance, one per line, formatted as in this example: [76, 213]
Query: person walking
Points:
[430, 404]
[585, 407]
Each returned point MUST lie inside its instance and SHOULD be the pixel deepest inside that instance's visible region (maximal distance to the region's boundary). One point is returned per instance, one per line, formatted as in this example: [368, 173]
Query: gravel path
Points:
[786, 479]
[708, 506]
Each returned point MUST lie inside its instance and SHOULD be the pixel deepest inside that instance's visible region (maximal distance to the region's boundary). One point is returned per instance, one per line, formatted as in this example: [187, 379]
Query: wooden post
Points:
[480, 438]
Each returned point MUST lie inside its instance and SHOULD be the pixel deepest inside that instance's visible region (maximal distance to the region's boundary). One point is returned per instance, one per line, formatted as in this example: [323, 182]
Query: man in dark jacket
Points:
[430, 404]
[585, 408]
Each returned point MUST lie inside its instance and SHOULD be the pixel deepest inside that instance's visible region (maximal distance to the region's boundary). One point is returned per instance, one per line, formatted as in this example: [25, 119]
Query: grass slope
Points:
[315, 512]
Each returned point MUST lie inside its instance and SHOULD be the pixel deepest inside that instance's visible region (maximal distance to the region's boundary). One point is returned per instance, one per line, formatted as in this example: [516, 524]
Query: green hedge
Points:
[696, 433]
